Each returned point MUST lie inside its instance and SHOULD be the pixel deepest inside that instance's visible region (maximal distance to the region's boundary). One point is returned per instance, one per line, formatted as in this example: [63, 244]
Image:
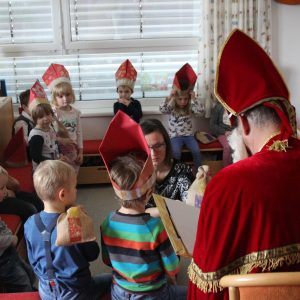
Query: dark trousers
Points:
[15, 274]
[24, 205]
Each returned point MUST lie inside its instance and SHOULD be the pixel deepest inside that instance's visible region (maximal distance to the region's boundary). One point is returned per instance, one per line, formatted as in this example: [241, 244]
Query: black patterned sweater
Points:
[176, 183]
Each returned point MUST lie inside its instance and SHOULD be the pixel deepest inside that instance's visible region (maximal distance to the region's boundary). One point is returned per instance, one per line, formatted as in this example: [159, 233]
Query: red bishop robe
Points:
[249, 220]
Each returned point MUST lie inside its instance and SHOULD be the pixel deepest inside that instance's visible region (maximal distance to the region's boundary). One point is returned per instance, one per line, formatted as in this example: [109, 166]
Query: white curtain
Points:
[220, 18]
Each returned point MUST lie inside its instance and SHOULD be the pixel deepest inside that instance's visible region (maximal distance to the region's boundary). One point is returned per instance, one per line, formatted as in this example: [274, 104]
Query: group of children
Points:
[134, 243]
[54, 130]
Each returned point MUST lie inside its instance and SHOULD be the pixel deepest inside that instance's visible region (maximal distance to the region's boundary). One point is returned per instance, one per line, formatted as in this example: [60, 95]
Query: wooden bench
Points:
[93, 169]
[212, 155]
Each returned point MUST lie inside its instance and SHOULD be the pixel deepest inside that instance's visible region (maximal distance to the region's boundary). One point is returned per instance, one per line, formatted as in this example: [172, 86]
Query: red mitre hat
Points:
[37, 96]
[122, 137]
[56, 74]
[185, 79]
[126, 75]
[247, 77]
[15, 153]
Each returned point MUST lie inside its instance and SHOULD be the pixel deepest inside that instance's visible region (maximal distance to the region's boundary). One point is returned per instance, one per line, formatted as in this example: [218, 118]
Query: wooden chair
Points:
[263, 286]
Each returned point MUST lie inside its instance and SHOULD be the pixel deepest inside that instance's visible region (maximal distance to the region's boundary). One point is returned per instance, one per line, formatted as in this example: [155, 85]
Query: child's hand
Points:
[14, 240]
[13, 184]
[193, 96]
[64, 141]
[79, 159]
[124, 101]
[153, 211]
[173, 280]
[10, 194]
[65, 159]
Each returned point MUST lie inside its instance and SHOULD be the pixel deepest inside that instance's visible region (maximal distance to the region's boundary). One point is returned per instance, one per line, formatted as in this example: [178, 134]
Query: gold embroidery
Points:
[279, 146]
[267, 260]
[268, 139]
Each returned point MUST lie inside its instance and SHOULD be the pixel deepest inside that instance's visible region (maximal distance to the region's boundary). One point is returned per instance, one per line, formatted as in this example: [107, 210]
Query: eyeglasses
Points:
[157, 147]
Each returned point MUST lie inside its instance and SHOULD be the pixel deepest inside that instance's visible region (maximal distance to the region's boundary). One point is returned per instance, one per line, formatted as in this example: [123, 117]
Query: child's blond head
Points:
[50, 176]
[125, 171]
[63, 88]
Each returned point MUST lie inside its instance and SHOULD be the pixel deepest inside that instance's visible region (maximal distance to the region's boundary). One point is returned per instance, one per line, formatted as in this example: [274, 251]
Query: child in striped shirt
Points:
[135, 244]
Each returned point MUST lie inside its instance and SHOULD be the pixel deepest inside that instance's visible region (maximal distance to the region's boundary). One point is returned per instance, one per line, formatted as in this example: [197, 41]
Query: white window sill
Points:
[104, 108]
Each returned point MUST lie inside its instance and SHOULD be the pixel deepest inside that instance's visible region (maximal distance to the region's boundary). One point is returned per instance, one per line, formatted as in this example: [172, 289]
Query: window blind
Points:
[135, 19]
[96, 23]
[26, 21]
[93, 75]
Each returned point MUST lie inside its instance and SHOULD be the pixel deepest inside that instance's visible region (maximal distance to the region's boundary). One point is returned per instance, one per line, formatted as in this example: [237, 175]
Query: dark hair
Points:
[24, 97]
[40, 111]
[153, 125]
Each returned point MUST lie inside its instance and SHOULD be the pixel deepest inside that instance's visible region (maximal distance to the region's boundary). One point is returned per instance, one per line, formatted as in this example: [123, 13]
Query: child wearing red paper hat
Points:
[68, 126]
[24, 120]
[125, 80]
[249, 219]
[42, 138]
[180, 106]
[144, 253]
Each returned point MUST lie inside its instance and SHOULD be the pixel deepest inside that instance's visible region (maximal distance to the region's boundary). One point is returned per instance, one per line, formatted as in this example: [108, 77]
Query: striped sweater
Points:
[138, 250]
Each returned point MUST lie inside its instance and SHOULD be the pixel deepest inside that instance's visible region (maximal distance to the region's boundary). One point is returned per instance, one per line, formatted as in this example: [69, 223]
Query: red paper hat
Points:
[247, 77]
[37, 96]
[126, 75]
[122, 137]
[56, 74]
[15, 153]
[185, 79]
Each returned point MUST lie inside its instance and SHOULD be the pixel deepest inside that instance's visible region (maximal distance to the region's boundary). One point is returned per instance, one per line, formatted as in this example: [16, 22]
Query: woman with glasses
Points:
[173, 178]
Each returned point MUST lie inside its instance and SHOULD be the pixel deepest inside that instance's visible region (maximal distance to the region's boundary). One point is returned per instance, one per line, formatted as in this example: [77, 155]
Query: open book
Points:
[180, 221]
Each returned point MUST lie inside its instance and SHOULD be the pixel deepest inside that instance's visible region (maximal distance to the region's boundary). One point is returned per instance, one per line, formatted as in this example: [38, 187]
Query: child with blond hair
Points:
[180, 106]
[134, 243]
[58, 81]
[63, 271]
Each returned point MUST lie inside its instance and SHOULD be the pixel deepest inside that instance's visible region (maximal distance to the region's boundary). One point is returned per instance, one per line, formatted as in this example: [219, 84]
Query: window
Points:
[91, 38]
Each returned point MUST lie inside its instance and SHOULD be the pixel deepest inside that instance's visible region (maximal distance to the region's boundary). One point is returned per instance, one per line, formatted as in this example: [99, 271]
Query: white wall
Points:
[286, 47]
[285, 53]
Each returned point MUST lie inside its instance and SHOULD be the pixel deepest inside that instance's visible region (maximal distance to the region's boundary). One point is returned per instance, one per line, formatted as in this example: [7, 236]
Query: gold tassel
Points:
[210, 282]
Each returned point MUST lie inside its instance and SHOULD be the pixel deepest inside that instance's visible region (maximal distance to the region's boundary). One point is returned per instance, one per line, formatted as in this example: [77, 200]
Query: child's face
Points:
[182, 100]
[3, 189]
[124, 92]
[45, 121]
[26, 109]
[64, 100]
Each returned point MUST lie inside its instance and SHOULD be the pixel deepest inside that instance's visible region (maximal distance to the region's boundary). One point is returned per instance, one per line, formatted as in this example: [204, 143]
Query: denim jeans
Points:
[167, 292]
[191, 143]
[15, 274]
[99, 286]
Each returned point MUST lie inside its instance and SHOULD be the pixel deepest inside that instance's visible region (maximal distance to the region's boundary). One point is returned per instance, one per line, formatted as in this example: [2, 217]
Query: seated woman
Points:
[173, 178]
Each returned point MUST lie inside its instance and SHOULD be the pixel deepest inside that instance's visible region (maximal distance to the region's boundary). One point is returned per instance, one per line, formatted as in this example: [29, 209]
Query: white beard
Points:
[237, 145]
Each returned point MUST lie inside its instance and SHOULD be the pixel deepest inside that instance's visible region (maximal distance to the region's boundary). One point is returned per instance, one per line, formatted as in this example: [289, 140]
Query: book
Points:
[180, 221]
